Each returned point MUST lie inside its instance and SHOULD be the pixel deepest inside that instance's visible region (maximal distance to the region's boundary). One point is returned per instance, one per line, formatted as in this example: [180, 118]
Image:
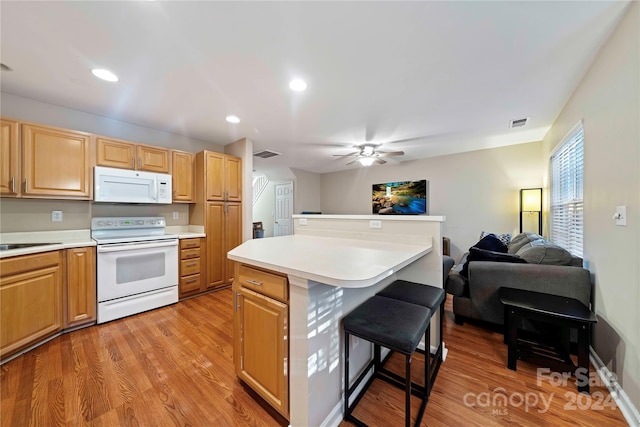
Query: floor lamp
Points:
[531, 203]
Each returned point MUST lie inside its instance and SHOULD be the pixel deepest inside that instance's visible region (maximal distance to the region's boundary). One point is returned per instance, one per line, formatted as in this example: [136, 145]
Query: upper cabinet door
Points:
[153, 159]
[233, 178]
[9, 158]
[56, 162]
[182, 176]
[214, 171]
[114, 153]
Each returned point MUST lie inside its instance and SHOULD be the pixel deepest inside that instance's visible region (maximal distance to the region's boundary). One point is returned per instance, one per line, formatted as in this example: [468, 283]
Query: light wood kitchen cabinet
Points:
[182, 174]
[224, 225]
[261, 350]
[10, 159]
[117, 153]
[190, 270]
[31, 300]
[80, 286]
[45, 162]
[222, 219]
[221, 176]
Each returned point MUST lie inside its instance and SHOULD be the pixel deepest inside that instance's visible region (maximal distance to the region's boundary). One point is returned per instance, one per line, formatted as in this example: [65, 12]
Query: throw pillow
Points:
[522, 239]
[476, 254]
[545, 254]
[491, 243]
[504, 238]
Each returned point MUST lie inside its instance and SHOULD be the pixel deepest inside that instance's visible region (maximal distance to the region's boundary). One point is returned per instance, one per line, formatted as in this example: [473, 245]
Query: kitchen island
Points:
[330, 265]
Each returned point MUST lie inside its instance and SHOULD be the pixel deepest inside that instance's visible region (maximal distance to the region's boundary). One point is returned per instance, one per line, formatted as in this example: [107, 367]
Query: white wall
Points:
[306, 190]
[476, 191]
[608, 101]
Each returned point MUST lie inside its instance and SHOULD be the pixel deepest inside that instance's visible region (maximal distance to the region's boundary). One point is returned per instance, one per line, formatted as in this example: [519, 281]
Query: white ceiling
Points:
[448, 76]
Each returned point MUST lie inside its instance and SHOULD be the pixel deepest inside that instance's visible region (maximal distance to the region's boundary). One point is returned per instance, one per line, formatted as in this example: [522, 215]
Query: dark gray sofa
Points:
[549, 269]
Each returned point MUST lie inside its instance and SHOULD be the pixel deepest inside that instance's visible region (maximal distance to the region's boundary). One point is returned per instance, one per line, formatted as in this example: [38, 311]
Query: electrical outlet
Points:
[176, 215]
[375, 224]
[303, 221]
[56, 216]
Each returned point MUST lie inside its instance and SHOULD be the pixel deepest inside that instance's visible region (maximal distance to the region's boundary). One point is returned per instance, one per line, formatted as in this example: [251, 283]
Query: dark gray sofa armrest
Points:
[486, 278]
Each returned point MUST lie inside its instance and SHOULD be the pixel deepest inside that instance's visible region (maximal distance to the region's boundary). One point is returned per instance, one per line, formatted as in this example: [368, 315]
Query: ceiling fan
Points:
[368, 154]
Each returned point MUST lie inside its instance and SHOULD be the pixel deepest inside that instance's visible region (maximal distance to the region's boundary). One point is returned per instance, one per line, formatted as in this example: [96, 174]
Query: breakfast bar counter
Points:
[332, 264]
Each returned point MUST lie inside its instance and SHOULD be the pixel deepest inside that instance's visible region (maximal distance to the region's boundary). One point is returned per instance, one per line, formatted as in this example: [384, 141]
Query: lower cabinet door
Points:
[262, 345]
[81, 286]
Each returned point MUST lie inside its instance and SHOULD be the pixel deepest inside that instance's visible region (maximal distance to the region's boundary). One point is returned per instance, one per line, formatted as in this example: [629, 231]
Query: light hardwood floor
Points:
[173, 367]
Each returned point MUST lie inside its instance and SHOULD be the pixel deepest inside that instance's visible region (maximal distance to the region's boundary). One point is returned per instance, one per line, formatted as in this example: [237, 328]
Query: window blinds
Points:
[566, 204]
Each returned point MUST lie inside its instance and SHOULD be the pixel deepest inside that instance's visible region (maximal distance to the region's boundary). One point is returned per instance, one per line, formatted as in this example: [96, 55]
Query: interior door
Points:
[284, 209]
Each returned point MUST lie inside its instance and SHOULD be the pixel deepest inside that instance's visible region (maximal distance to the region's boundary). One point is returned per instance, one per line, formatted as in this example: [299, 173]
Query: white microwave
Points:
[129, 186]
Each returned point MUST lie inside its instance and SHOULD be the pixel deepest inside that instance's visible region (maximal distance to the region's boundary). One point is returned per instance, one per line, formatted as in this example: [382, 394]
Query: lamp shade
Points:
[531, 200]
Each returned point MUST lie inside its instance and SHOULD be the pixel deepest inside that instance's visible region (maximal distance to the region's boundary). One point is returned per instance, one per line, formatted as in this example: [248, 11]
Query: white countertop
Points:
[60, 240]
[186, 231]
[66, 239]
[348, 263]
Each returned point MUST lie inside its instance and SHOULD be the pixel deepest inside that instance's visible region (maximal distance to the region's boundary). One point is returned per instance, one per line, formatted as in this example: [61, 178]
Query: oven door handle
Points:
[133, 246]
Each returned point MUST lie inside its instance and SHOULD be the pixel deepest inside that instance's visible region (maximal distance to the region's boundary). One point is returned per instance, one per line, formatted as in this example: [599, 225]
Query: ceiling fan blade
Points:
[417, 138]
[390, 153]
[347, 155]
[352, 161]
[380, 161]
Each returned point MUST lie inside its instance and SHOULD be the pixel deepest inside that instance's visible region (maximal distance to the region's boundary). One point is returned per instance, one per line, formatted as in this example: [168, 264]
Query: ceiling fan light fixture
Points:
[232, 119]
[366, 161]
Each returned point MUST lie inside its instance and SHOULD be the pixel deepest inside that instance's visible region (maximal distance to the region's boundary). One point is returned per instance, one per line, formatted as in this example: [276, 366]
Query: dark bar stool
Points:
[395, 325]
[425, 296]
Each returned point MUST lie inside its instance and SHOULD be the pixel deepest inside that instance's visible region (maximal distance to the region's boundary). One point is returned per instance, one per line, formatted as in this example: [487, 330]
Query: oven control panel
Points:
[127, 222]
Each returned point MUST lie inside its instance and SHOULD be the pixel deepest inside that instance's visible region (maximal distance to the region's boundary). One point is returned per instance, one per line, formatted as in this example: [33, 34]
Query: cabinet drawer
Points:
[189, 243]
[190, 253]
[189, 266]
[190, 283]
[263, 282]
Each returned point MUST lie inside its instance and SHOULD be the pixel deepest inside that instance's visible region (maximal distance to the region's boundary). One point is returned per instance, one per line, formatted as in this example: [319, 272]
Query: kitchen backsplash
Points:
[35, 215]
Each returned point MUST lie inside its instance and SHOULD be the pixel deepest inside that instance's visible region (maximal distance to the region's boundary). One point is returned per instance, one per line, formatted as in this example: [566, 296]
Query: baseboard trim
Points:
[629, 411]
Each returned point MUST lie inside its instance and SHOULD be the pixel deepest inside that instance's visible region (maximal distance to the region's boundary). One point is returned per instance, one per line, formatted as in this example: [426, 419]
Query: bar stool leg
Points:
[407, 406]
[347, 410]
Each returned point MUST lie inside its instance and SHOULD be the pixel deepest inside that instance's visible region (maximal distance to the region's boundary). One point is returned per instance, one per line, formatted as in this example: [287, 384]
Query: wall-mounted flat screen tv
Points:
[400, 198]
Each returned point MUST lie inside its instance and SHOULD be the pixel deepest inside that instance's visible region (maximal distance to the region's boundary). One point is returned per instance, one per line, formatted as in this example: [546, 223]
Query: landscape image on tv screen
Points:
[400, 198]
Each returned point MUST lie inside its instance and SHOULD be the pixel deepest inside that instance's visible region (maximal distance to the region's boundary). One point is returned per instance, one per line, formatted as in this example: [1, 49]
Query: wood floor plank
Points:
[174, 367]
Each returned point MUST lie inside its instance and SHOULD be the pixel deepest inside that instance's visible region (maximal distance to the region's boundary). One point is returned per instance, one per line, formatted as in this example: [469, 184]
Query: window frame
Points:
[566, 192]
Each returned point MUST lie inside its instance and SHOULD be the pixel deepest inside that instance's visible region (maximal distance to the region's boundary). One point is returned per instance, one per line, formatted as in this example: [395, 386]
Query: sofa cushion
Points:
[504, 238]
[476, 254]
[491, 243]
[535, 253]
[522, 239]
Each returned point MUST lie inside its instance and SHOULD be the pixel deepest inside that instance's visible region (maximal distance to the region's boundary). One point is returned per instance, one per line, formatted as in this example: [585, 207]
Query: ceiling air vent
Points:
[518, 123]
[265, 154]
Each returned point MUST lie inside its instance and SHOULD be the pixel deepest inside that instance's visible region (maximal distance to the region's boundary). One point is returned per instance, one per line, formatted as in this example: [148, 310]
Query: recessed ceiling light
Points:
[104, 74]
[298, 85]
[233, 119]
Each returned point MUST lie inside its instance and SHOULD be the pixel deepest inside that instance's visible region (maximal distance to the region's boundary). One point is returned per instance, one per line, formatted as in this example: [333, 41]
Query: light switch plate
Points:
[621, 215]
[303, 221]
[56, 216]
[375, 224]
